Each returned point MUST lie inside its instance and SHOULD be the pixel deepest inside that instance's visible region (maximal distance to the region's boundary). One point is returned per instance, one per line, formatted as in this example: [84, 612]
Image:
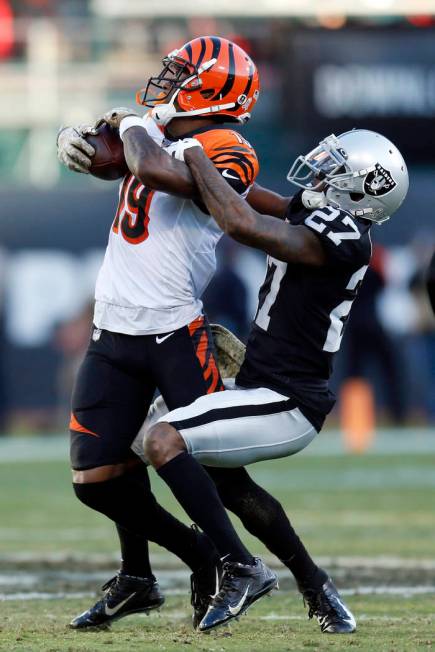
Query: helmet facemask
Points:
[160, 94]
[176, 73]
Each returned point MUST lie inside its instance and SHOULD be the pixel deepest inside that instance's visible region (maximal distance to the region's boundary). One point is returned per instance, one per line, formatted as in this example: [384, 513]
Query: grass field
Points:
[371, 519]
[385, 625]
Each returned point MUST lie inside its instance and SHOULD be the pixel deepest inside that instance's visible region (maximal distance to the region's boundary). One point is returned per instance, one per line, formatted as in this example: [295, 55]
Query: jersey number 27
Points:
[337, 316]
[329, 214]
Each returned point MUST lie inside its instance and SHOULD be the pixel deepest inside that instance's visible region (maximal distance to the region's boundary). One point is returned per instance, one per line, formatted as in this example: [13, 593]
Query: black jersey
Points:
[302, 312]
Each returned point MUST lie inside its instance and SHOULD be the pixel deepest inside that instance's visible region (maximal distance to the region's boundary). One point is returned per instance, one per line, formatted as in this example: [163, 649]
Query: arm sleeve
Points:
[233, 157]
[344, 240]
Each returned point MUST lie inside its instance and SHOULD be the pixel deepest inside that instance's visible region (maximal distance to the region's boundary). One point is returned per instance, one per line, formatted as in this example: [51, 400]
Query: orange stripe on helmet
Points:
[232, 80]
[229, 82]
[199, 47]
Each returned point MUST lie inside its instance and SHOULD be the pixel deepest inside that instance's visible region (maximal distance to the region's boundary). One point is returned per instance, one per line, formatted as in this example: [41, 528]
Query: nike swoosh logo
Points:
[159, 340]
[236, 609]
[112, 612]
[227, 175]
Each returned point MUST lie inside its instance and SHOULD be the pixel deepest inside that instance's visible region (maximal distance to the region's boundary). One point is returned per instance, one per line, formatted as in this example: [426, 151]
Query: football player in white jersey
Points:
[150, 331]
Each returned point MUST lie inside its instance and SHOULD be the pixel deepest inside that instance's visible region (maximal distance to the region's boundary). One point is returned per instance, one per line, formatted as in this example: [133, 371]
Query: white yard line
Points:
[166, 563]
[401, 591]
[37, 595]
[329, 442]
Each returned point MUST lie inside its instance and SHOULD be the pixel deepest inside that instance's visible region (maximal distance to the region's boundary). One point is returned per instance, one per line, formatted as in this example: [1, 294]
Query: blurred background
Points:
[66, 61]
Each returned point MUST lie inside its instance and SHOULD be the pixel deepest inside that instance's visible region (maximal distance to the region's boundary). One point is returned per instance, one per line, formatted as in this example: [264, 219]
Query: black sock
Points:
[263, 516]
[129, 502]
[134, 553]
[197, 494]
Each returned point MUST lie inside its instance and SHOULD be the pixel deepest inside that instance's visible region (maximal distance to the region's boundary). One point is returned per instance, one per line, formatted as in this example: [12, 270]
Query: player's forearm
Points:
[267, 202]
[153, 166]
[231, 212]
[288, 243]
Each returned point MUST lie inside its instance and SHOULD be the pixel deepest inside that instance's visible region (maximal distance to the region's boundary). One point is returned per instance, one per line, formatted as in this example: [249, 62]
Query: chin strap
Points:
[164, 113]
[313, 199]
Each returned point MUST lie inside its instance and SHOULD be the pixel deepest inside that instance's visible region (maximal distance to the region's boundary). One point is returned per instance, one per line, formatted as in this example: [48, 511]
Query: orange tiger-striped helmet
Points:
[208, 75]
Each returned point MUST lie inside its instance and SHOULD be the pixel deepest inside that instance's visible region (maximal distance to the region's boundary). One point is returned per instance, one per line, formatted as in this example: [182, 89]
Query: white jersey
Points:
[161, 251]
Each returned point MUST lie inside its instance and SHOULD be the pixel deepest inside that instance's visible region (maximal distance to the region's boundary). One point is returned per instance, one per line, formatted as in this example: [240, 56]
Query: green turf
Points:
[341, 505]
[276, 624]
[371, 506]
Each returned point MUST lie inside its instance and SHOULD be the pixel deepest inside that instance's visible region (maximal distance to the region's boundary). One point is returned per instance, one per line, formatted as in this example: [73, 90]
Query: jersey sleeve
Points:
[344, 240]
[232, 156]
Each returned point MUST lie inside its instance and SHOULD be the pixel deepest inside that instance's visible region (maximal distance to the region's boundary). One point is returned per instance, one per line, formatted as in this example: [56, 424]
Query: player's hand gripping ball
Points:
[73, 150]
[108, 161]
[96, 150]
[114, 116]
[92, 150]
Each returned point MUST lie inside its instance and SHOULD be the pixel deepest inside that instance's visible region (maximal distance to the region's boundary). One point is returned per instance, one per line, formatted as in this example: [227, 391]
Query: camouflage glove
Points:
[230, 351]
[114, 116]
[72, 149]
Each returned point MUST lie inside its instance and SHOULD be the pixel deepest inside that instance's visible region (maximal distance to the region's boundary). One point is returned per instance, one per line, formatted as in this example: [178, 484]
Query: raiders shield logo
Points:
[379, 182]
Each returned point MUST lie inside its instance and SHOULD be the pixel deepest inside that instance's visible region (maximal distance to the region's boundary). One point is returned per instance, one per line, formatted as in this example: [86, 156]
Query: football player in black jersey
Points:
[318, 255]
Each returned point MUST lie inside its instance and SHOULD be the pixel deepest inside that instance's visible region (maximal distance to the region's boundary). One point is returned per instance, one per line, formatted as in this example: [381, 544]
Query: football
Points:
[108, 163]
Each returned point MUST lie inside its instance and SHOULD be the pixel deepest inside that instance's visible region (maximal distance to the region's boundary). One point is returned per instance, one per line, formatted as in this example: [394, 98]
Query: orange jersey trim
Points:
[204, 353]
[228, 150]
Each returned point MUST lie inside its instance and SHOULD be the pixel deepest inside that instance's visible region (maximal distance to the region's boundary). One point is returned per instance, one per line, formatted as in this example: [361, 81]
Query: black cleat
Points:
[241, 585]
[204, 584]
[329, 609]
[124, 595]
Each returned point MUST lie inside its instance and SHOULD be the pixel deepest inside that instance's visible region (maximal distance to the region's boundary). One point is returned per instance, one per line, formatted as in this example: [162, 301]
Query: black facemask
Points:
[161, 88]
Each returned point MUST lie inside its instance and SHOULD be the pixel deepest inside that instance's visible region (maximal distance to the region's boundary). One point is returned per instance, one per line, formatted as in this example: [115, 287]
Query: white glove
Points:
[163, 113]
[114, 117]
[313, 199]
[177, 149]
[72, 149]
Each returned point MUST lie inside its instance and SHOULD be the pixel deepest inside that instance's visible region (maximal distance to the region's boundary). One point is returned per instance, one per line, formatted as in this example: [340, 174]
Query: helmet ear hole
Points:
[356, 196]
[207, 94]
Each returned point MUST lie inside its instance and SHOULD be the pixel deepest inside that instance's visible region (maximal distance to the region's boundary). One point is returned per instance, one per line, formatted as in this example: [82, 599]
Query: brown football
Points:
[108, 162]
